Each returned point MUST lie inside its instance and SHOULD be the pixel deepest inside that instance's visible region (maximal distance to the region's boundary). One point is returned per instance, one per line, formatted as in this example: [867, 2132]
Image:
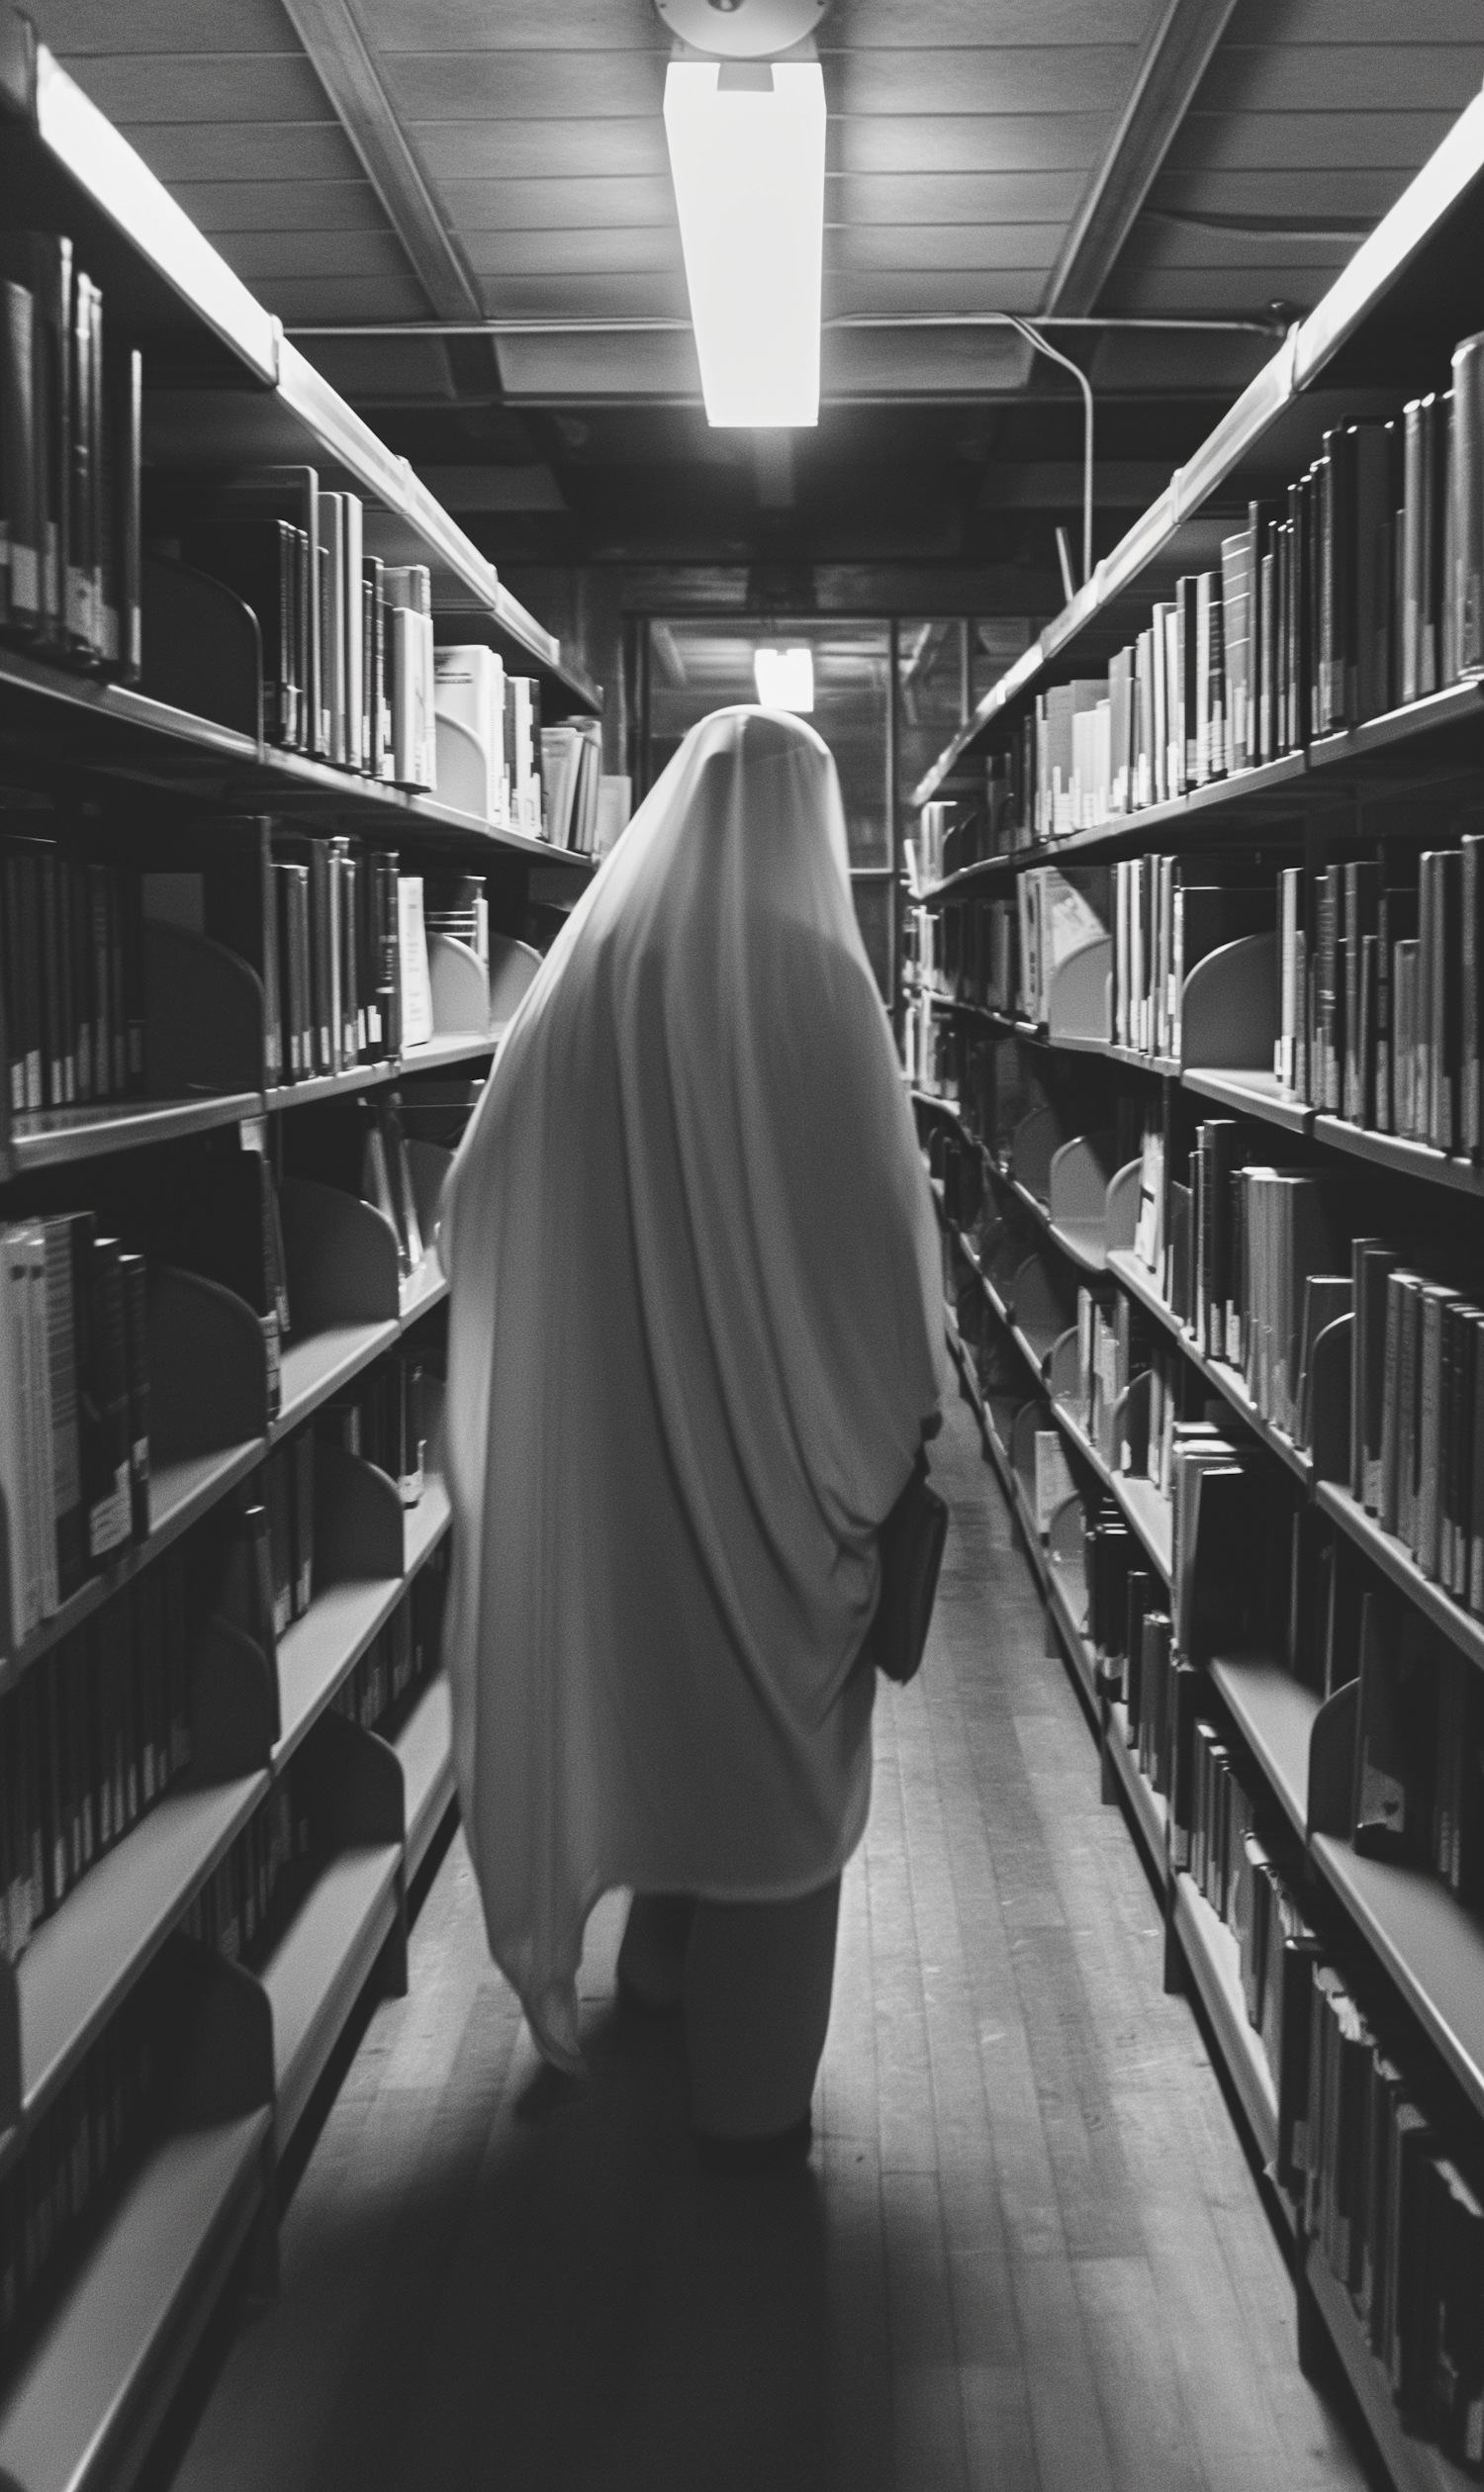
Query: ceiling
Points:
[372, 161]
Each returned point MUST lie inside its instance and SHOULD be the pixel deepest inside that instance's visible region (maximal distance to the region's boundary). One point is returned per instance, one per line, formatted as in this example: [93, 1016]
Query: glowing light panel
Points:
[785, 677]
[747, 160]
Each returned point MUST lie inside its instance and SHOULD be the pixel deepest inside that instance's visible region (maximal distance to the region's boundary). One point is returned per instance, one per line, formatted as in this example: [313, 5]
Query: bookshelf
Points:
[1260, 1710]
[234, 1907]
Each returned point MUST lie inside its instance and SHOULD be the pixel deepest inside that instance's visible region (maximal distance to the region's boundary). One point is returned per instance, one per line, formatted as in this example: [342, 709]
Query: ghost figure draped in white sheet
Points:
[696, 1331]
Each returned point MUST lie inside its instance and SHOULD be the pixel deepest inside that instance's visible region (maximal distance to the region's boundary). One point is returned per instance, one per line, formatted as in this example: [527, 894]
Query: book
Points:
[1237, 594]
[469, 694]
[412, 956]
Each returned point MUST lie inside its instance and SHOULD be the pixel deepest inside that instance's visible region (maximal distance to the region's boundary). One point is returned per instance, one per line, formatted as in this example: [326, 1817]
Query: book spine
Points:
[135, 1284]
[1470, 965]
[1468, 504]
[61, 1321]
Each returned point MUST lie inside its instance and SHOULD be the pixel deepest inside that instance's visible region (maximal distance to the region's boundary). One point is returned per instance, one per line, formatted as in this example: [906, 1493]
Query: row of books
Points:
[1118, 1347]
[335, 933]
[1269, 1273]
[75, 2163]
[1004, 954]
[74, 1371]
[953, 833]
[72, 944]
[1380, 1020]
[1250, 1258]
[490, 745]
[69, 463]
[1391, 2211]
[1417, 1413]
[96, 1732]
[350, 673]
[1168, 914]
[251, 1898]
[1397, 2223]
[382, 1421]
[254, 1563]
[346, 640]
[91, 1739]
[1357, 592]
[573, 780]
[75, 1407]
[403, 1657]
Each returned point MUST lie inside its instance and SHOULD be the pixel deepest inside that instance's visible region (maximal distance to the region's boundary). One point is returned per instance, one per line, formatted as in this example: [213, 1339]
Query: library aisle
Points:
[1027, 2256]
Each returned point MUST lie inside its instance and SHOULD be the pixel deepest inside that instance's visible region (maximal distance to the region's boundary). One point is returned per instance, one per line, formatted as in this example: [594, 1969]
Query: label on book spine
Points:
[111, 1518]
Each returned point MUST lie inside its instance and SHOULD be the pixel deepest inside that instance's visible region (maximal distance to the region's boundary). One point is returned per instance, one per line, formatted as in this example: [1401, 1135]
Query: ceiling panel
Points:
[1165, 242]
[640, 294]
[523, 85]
[970, 143]
[581, 26]
[1236, 293]
[215, 87]
[553, 368]
[337, 299]
[248, 152]
[941, 199]
[980, 249]
[260, 257]
[1306, 197]
[1352, 22]
[1026, 78]
[1379, 78]
[554, 149]
[513, 206]
[964, 363]
[1296, 141]
[933, 290]
[884, 24]
[182, 26]
[566, 251]
[220, 208]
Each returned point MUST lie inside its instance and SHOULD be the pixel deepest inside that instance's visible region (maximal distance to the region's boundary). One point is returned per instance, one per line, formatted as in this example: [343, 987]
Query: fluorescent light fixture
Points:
[785, 677]
[747, 160]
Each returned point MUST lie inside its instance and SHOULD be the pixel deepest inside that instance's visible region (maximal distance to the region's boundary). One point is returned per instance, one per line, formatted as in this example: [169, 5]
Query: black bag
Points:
[910, 1542]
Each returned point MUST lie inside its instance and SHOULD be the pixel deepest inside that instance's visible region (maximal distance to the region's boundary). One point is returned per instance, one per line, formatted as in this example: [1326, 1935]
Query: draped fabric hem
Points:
[553, 2016]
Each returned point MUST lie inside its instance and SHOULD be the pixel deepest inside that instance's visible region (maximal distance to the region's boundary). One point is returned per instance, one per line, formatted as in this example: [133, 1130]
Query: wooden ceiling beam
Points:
[1170, 69]
[332, 35]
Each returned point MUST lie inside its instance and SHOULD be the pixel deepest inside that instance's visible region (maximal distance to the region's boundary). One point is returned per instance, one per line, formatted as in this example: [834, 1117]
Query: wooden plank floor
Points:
[1028, 2255]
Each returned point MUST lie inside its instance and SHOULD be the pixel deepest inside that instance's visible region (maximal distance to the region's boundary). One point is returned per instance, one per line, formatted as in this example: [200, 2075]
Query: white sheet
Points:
[696, 1328]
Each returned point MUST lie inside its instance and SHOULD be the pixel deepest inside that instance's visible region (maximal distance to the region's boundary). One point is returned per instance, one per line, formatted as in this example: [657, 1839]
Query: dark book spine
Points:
[101, 1001]
[302, 1450]
[76, 575]
[1446, 1000]
[108, 1480]
[281, 710]
[1470, 965]
[1329, 585]
[134, 1277]
[20, 571]
[125, 414]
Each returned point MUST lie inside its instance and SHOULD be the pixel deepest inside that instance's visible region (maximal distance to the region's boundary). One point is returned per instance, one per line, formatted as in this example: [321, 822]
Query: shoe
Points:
[772, 2151]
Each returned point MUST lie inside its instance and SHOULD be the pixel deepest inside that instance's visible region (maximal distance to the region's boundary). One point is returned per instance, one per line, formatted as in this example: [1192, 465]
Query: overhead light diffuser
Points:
[747, 160]
[785, 678]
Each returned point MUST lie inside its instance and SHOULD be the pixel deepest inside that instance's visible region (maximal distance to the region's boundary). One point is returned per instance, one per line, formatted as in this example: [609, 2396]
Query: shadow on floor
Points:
[587, 2307]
